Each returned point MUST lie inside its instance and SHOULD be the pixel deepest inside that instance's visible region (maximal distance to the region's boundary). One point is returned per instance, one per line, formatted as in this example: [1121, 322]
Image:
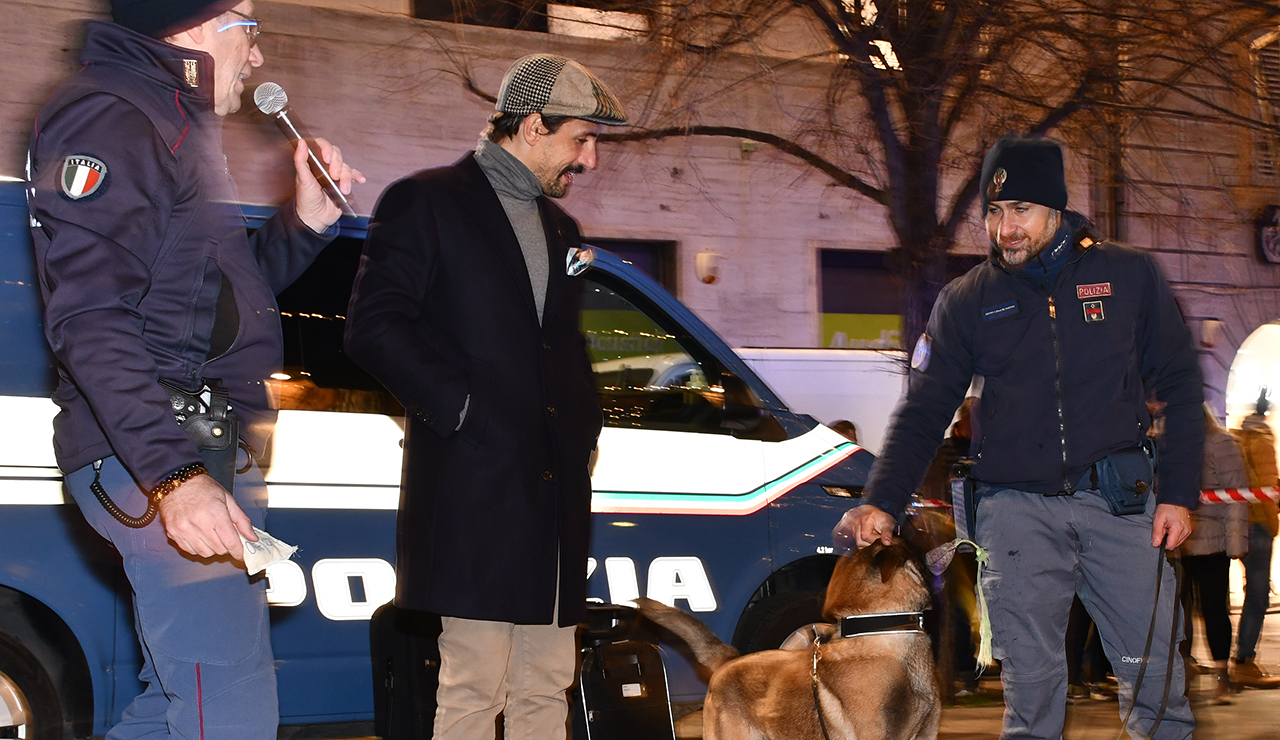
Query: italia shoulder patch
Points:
[82, 176]
[920, 356]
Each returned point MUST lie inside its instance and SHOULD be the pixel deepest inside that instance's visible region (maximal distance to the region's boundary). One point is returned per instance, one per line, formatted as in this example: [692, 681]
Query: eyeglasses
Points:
[252, 26]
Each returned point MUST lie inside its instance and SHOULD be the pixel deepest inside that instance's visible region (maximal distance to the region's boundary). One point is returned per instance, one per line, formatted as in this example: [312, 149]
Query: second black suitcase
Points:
[622, 684]
[406, 666]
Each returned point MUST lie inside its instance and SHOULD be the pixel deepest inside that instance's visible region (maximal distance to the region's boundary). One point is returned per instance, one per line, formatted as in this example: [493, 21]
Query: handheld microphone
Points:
[272, 100]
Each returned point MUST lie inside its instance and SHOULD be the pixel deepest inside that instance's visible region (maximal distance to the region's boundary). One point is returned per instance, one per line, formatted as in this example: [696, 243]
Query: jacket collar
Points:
[1082, 238]
[561, 235]
[479, 197]
[187, 71]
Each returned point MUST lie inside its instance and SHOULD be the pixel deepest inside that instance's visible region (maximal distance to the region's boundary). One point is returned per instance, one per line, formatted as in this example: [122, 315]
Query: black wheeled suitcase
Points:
[622, 684]
[406, 666]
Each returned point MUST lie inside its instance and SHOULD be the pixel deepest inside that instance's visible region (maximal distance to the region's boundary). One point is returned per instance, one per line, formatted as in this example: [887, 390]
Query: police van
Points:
[709, 494]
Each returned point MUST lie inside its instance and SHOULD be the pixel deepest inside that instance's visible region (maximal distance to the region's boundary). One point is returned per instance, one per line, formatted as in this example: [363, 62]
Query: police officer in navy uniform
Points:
[1070, 335]
[147, 274]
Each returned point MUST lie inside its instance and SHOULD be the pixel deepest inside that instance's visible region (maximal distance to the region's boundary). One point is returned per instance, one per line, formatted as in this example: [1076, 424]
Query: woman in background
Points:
[1221, 532]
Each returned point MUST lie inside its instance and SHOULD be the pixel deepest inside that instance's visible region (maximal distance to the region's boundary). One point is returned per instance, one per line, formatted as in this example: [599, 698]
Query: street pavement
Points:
[1254, 715]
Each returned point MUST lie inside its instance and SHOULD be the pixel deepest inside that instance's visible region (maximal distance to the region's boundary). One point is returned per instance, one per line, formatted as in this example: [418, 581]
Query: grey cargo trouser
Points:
[1044, 549]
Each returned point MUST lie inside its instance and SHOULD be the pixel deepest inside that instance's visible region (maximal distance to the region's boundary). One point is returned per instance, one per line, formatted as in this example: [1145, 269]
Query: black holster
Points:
[212, 425]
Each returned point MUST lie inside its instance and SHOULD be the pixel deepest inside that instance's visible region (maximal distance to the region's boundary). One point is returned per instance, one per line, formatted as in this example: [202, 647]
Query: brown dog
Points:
[878, 686]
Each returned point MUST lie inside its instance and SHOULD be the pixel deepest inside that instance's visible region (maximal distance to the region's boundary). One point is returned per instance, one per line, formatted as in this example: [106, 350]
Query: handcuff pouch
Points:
[1126, 478]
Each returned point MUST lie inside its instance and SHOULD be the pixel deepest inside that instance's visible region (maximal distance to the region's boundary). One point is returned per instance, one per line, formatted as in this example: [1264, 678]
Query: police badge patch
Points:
[191, 72]
[920, 356]
[81, 176]
[998, 180]
[1093, 312]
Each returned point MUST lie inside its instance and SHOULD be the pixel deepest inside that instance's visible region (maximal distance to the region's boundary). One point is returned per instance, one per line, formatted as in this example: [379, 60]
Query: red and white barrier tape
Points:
[1229, 495]
[1208, 496]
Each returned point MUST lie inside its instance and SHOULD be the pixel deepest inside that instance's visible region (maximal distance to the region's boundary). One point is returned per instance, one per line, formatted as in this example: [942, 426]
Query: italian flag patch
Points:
[82, 176]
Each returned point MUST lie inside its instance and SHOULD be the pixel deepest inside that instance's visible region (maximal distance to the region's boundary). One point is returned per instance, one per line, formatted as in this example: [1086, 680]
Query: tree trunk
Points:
[922, 280]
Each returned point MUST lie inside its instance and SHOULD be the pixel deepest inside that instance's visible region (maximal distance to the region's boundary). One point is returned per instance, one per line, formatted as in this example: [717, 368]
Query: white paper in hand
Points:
[266, 551]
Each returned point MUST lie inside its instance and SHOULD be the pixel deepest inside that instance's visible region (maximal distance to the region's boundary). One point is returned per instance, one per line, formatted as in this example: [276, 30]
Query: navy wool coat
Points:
[442, 311]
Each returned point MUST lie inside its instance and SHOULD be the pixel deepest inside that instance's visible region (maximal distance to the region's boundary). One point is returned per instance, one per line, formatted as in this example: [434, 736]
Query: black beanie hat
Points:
[160, 18]
[1027, 168]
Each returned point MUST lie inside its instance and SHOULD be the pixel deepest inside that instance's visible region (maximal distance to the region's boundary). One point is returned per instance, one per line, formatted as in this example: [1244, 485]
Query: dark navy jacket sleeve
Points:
[936, 387]
[1171, 371]
[384, 334]
[97, 269]
[285, 247]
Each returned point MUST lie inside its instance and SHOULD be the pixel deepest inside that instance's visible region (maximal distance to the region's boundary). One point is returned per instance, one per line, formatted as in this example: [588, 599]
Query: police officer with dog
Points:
[1070, 334]
[148, 278]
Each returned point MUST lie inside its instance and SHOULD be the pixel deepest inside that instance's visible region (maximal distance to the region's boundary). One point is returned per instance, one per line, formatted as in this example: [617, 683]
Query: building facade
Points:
[799, 261]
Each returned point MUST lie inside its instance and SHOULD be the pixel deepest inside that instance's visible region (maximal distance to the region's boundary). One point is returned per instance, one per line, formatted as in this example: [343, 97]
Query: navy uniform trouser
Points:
[202, 623]
[1044, 550]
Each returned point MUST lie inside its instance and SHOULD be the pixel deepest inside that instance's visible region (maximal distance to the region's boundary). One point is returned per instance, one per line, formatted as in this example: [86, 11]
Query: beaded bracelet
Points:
[175, 479]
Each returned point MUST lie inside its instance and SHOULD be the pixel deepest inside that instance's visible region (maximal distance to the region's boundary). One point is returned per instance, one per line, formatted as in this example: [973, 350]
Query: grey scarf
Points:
[518, 190]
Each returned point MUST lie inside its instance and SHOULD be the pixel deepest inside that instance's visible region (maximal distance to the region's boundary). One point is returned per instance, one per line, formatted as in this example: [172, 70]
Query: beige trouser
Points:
[521, 670]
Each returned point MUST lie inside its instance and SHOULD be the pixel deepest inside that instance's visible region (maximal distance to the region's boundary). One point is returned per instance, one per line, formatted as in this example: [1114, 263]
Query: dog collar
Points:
[891, 623]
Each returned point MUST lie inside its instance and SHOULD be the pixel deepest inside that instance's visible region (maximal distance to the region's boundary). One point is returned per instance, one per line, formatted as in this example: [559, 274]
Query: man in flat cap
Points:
[147, 275]
[1071, 335]
[464, 309]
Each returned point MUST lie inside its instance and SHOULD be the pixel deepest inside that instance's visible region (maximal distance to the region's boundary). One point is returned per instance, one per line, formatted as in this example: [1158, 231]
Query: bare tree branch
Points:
[837, 174]
[901, 98]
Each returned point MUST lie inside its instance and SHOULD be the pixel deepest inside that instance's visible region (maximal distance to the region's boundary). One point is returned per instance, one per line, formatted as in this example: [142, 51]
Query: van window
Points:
[646, 375]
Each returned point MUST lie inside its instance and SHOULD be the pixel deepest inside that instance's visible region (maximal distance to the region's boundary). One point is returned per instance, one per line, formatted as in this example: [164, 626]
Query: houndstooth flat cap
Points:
[558, 86]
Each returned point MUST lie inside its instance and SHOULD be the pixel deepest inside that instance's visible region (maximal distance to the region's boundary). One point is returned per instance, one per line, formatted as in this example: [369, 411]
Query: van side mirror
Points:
[742, 413]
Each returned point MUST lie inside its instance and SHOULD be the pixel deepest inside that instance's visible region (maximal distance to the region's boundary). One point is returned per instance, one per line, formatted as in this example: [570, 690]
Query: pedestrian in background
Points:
[1258, 443]
[847, 429]
[466, 308]
[1087, 664]
[147, 274]
[1220, 533]
[937, 479]
[961, 577]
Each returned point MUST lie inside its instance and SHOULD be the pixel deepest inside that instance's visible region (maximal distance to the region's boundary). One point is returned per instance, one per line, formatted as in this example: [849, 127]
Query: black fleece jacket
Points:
[1067, 367]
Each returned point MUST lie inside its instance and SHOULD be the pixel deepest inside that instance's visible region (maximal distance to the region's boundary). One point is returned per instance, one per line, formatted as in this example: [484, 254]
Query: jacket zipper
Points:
[1057, 386]
[1067, 488]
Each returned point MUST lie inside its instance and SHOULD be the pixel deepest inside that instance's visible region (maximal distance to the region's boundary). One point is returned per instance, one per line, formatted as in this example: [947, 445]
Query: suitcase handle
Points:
[608, 623]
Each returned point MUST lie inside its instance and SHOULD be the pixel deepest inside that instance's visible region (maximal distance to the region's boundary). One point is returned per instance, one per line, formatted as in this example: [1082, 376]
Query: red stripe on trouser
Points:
[200, 701]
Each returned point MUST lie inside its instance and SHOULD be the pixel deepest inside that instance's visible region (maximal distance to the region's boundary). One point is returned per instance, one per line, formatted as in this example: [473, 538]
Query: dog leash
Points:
[1146, 652]
[938, 559]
